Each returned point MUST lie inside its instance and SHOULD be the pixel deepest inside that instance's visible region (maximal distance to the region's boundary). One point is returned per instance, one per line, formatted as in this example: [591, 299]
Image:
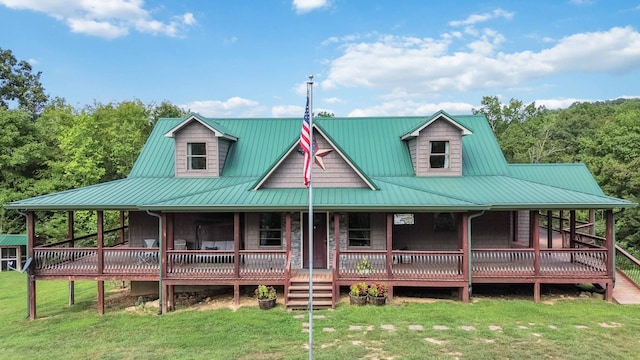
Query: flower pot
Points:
[377, 300]
[357, 300]
[266, 304]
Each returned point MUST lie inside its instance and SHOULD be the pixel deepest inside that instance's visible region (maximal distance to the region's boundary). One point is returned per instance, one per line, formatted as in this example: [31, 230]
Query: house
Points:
[428, 201]
[12, 251]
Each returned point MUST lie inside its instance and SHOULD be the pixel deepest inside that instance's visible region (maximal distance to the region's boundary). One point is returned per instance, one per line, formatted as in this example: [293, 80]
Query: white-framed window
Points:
[271, 229]
[359, 229]
[197, 156]
[439, 154]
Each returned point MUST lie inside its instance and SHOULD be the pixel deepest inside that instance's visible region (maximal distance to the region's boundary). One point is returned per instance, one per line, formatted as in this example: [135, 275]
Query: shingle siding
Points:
[337, 171]
[439, 130]
[196, 133]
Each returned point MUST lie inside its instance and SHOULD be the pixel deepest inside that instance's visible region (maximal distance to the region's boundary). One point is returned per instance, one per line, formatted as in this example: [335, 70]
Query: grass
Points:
[567, 329]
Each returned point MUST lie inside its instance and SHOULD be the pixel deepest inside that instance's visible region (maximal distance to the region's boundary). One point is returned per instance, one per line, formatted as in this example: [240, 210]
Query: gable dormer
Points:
[436, 146]
[201, 147]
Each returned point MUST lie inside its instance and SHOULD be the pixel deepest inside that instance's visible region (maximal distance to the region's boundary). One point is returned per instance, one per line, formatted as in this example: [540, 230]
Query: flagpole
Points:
[310, 220]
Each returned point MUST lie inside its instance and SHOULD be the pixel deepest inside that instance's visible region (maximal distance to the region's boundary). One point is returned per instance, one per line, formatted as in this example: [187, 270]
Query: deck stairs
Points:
[298, 293]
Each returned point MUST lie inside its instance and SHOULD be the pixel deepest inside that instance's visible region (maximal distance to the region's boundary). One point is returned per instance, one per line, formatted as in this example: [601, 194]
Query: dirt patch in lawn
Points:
[120, 298]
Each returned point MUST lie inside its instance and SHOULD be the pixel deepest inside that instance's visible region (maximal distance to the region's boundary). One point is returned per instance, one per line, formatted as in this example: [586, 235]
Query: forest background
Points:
[47, 145]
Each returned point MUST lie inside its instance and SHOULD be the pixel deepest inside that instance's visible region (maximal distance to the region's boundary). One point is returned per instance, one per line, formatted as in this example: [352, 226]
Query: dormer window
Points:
[439, 154]
[197, 156]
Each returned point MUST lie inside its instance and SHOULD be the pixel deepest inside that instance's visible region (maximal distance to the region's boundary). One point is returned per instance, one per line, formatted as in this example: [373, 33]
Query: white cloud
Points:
[333, 100]
[304, 6]
[411, 108]
[427, 66]
[280, 111]
[561, 103]
[478, 18]
[33, 62]
[108, 19]
[232, 107]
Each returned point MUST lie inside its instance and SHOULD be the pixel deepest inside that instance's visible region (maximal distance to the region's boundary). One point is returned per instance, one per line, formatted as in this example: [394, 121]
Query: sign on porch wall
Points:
[403, 219]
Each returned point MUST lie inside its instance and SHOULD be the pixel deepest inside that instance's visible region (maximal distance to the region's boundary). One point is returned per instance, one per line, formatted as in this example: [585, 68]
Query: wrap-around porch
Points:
[585, 261]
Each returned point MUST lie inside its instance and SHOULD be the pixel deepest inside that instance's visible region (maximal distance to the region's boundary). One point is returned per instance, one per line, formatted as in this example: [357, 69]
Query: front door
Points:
[319, 240]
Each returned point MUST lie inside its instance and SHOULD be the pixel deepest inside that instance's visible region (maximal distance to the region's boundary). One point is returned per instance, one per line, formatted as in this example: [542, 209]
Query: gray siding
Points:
[422, 235]
[491, 230]
[413, 145]
[224, 146]
[523, 226]
[252, 233]
[142, 226]
[338, 173]
[439, 130]
[196, 133]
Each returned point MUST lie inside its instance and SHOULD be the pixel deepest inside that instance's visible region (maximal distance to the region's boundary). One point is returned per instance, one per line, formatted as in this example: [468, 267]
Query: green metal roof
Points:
[13, 239]
[373, 146]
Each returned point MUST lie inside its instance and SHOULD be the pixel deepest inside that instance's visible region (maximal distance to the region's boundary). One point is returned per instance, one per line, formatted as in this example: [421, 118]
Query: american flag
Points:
[305, 143]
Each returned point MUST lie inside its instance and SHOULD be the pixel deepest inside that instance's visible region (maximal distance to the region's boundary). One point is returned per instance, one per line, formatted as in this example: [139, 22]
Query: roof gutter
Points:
[470, 266]
[160, 257]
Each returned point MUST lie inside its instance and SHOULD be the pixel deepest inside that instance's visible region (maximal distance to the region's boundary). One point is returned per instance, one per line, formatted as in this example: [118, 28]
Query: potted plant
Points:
[364, 266]
[358, 294]
[378, 293]
[266, 296]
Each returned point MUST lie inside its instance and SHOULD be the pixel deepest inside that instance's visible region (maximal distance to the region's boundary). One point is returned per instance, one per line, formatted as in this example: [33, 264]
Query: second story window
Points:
[197, 156]
[439, 154]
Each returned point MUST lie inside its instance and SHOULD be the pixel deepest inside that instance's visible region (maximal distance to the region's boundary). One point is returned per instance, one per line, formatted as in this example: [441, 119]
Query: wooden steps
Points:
[298, 294]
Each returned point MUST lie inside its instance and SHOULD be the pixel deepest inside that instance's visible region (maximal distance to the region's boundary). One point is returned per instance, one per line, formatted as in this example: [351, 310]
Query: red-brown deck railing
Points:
[272, 264]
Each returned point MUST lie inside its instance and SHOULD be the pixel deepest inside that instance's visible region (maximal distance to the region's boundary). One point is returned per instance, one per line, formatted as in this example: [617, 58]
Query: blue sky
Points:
[247, 58]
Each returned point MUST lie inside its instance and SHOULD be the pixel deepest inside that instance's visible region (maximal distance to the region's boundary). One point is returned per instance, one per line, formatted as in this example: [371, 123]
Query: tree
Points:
[325, 114]
[19, 84]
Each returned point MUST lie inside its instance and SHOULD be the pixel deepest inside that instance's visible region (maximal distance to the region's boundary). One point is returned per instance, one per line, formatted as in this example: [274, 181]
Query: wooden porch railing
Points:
[573, 262]
[628, 264]
[405, 264]
[254, 264]
[503, 262]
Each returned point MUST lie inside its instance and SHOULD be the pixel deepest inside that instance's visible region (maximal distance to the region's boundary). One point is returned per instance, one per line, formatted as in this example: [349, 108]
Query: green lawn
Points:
[484, 329]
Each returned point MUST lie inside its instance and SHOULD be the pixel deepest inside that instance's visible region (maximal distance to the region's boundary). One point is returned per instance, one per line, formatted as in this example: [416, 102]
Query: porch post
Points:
[516, 227]
[170, 245]
[610, 244]
[592, 220]
[336, 260]
[122, 227]
[100, 217]
[390, 253]
[549, 229]
[534, 231]
[31, 242]
[236, 256]
[572, 228]
[464, 233]
[165, 243]
[71, 236]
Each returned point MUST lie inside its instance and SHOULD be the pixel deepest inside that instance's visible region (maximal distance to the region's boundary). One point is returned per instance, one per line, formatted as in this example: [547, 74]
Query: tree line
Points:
[47, 145]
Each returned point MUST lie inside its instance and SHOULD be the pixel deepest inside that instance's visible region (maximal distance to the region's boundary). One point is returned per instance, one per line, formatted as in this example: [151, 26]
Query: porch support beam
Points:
[534, 233]
[572, 228]
[610, 244]
[516, 227]
[100, 227]
[236, 256]
[336, 235]
[71, 236]
[165, 242]
[592, 221]
[549, 229]
[169, 298]
[122, 239]
[390, 252]
[464, 241]
[287, 233]
[31, 242]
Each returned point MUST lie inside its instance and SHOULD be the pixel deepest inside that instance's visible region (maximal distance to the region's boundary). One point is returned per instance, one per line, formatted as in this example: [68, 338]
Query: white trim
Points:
[416, 133]
[171, 133]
